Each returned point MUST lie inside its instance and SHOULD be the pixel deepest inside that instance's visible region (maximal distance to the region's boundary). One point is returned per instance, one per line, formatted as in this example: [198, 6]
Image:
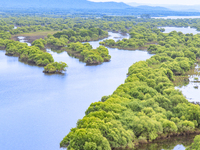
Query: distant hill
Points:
[146, 7]
[185, 8]
[86, 7]
[189, 8]
[64, 4]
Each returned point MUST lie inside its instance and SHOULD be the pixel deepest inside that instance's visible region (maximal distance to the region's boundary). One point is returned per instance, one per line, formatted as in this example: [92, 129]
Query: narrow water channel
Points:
[38, 110]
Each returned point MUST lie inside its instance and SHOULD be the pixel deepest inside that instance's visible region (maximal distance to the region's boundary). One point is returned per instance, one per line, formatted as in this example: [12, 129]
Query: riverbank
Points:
[141, 143]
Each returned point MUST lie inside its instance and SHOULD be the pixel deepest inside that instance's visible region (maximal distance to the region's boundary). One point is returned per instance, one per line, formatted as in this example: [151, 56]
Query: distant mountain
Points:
[134, 4]
[146, 7]
[86, 7]
[185, 8]
[189, 8]
[64, 4]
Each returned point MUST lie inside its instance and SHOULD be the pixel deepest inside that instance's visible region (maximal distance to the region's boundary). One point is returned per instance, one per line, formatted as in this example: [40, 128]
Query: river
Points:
[177, 17]
[38, 110]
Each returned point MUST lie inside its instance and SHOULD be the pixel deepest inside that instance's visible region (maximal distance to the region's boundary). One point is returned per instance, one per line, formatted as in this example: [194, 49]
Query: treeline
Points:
[61, 39]
[109, 23]
[146, 107]
[85, 53]
[140, 37]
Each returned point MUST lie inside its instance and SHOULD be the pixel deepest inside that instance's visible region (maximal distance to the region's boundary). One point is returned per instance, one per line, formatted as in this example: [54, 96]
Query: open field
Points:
[30, 37]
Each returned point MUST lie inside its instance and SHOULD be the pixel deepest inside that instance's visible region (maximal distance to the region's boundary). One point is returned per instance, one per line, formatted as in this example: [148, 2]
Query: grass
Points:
[32, 36]
[38, 33]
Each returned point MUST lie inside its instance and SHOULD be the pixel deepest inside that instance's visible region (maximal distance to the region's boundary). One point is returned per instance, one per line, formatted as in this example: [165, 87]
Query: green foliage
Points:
[139, 37]
[39, 43]
[196, 144]
[33, 54]
[146, 106]
[55, 67]
[61, 39]
[89, 55]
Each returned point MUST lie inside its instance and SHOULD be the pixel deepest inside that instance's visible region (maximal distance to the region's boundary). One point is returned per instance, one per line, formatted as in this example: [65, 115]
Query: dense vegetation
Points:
[32, 54]
[87, 54]
[140, 38]
[146, 107]
[55, 67]
[109, 23]
[83, 51]
[61, 39]
[196, 144]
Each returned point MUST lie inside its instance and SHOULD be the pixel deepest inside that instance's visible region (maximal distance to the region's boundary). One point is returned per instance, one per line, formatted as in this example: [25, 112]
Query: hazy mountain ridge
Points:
[188, 8]
[146, 7]
[67, 4]
[63, 7]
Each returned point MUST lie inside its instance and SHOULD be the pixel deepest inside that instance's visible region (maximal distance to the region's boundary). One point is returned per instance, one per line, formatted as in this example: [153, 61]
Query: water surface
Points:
[184, 30]
[177, 17]
[38, 110]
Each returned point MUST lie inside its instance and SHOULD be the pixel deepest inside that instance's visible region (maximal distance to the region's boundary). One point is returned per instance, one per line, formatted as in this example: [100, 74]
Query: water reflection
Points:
[191, 90]
[173, 143]
[184, 30]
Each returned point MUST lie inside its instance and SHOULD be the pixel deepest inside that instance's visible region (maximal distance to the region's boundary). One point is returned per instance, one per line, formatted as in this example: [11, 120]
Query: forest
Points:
[147, 106]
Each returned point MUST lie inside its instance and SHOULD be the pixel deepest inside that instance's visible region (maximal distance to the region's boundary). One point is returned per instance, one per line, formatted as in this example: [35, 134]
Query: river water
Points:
[184, 30]
[38, 110]
[177, 17]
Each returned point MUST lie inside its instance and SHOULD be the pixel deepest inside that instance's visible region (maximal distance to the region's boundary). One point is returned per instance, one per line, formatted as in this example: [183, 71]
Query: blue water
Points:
[38, 110]
[177, 17]
[184, 30]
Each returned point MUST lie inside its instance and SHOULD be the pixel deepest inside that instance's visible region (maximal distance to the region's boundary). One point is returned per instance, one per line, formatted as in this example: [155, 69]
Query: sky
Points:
[169, 2]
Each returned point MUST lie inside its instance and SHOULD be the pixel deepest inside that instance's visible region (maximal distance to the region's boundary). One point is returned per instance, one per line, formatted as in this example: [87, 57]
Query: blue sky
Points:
[172, 2]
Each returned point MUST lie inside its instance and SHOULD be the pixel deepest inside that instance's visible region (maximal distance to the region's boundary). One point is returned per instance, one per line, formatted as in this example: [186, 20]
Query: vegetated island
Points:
[86, 54]
[36, 54]
[147, 106]
[84, 51]
[32, 55]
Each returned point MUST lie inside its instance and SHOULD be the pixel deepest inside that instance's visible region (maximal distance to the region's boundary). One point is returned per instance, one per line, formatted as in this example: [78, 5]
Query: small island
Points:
[55, 67]
[86, 54]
